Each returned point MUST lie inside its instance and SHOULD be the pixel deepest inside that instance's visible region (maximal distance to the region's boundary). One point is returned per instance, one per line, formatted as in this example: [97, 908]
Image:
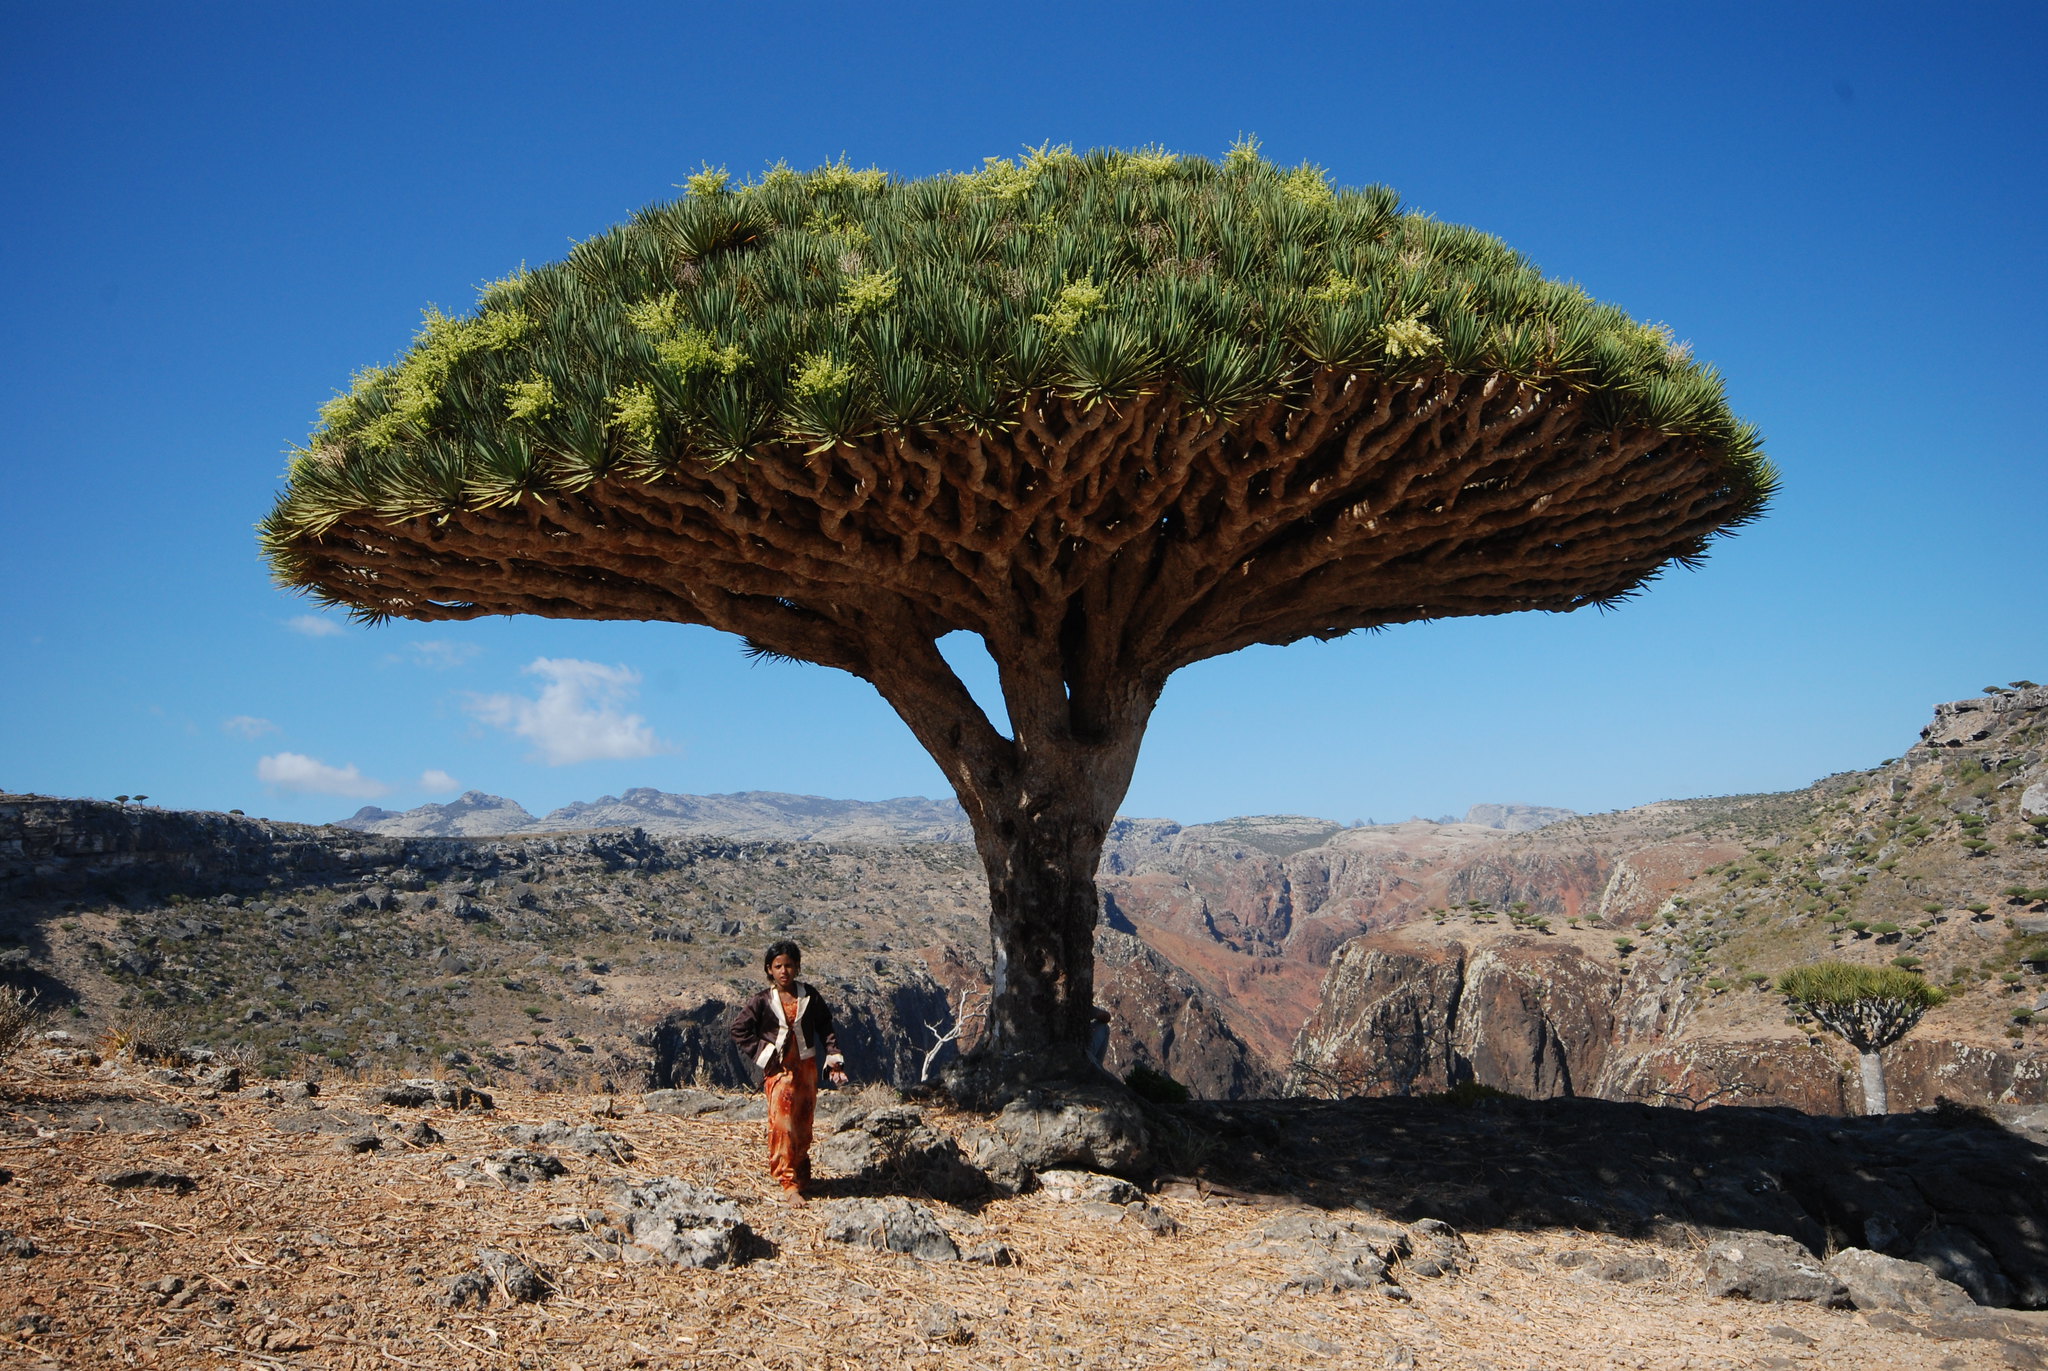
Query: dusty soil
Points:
[289, 1252]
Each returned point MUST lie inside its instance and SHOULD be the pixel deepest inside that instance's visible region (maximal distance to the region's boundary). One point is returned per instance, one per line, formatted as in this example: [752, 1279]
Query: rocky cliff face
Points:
[1403, 1016]
[1932, 861]
[1252, 911]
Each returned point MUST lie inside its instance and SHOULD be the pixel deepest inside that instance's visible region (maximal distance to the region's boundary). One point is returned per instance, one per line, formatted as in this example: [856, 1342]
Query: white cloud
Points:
[437, 782]
[441, 654]
[247, 726]
[578, 715]
[313, 626]
[297, 774]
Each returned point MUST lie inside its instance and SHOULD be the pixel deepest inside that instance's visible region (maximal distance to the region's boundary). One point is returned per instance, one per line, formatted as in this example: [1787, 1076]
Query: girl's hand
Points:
[837, 1076]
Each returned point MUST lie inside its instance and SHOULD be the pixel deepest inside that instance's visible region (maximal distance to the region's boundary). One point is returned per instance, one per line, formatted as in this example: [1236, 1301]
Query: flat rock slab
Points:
[1626, 1270]
[339, 1121]
[890, 1226]
[425, 1092]
[148, 1178]
[513, 1167]
[1091, 1127]
[696, 1104]
[1875, 1281]
[1770, 1269]
[1336, 1254]
[103, 1114]
[1083, 1187]
[582, 1138]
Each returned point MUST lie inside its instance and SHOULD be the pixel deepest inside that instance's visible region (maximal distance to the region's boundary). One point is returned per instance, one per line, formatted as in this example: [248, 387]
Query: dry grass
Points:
[296, 1255]
[148, 1036]
[21, 1018]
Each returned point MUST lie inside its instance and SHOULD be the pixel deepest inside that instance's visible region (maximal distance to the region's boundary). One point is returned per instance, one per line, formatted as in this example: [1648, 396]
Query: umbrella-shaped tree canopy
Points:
[1114, 413]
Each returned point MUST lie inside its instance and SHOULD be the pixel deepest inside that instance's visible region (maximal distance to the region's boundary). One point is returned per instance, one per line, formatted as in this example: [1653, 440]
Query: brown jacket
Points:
[769, 1040]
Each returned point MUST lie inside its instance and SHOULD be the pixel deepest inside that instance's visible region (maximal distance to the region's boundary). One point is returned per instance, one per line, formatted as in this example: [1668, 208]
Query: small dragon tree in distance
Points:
[1114, 413]
[1868, 1007]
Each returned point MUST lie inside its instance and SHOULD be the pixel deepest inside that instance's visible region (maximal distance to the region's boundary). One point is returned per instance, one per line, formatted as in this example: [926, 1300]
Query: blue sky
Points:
[220, 211]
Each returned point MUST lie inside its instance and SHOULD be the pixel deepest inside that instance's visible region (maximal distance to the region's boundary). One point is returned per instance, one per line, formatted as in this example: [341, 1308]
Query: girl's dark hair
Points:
[782, 947]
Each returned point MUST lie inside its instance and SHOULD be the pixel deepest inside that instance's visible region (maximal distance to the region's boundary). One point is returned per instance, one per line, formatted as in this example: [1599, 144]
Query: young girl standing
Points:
[784, 1029]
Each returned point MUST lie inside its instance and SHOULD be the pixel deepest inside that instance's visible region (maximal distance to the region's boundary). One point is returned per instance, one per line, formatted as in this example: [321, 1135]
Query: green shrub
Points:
[1156, 1086]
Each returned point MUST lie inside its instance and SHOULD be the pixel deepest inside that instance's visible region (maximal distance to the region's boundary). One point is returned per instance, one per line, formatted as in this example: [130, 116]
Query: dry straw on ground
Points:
[290, 1252]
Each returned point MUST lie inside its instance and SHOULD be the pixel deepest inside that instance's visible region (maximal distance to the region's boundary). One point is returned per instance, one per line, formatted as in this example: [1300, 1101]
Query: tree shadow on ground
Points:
[1906, 1184]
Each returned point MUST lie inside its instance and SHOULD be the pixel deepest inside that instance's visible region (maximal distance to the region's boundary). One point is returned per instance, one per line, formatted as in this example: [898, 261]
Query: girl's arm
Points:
[747, 1029]
[835, 1064]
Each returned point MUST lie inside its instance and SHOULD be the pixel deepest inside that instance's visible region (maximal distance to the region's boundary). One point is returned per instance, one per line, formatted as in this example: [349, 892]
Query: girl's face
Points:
[783, 971]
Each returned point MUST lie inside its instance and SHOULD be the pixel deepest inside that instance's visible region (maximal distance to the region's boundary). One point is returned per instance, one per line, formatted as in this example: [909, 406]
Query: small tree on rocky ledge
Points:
[1114, 414]
[1869, 1007]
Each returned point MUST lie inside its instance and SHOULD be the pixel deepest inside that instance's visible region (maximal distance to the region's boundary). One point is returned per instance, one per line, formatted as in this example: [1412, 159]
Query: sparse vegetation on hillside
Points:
[544, 960]
[1921, 865]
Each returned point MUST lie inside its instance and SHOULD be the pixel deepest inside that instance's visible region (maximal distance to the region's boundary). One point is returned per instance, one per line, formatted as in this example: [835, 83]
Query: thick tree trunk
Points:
[1041, 803]
[1874, 1098]
[1042, 912]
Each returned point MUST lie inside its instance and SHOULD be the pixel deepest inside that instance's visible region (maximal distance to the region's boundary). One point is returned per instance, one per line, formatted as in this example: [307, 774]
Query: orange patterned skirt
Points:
[792, 1104]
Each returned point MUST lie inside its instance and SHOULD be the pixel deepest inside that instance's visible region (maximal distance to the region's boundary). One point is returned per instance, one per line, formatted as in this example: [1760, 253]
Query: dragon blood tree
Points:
[1113, 413]
[1868, 1007]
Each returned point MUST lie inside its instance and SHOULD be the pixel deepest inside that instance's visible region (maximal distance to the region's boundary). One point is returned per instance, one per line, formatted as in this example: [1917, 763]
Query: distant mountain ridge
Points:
[749, 815]
[773, 816]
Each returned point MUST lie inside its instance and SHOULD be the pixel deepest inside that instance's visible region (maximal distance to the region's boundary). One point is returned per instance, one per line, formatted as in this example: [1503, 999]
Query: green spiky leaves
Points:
[1840, 984]
[830, 305]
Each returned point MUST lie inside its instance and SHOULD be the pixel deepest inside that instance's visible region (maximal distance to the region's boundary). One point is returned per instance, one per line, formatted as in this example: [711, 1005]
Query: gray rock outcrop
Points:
[894, 1148]
[1097, 1128]
[1875, 1281]
[680, 1223]
[890, 1226]
[1770, 1269]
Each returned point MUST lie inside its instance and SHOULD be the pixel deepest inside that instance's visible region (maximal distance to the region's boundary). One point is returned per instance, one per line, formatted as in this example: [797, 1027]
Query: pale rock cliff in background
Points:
[748, 816]
[471, 814]
[1517, 818]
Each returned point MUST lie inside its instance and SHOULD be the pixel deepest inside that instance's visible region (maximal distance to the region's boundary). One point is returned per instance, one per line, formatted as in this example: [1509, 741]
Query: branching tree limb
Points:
[968, 1014]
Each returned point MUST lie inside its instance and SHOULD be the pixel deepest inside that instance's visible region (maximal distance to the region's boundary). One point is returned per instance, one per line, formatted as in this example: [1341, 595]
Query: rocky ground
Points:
[172, 1221]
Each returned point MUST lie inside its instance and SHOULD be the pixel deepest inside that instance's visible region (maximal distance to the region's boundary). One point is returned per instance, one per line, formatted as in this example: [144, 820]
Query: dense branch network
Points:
[1122, 539]
[1872, 1024]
